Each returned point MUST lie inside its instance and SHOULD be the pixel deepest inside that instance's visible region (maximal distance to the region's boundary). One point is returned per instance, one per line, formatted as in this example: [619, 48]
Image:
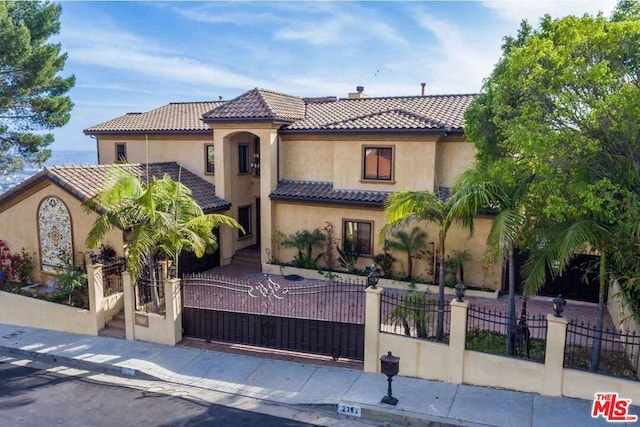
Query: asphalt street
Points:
[37, 397]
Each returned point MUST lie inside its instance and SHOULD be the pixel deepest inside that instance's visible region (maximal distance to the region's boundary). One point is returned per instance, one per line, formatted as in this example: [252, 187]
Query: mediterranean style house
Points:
[278, 164]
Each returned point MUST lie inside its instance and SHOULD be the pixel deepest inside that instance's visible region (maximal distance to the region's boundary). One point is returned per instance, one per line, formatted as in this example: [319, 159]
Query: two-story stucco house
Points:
[286, 163]
[277, 163]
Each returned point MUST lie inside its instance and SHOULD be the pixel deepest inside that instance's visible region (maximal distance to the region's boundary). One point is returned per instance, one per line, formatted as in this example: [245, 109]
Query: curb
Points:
[394, 416]
[79, 364]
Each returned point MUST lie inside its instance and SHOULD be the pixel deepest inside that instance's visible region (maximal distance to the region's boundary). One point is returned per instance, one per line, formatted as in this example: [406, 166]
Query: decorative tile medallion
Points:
[54, 223]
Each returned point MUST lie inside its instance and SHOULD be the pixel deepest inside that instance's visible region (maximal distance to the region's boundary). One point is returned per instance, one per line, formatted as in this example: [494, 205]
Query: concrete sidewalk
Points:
[300, 384]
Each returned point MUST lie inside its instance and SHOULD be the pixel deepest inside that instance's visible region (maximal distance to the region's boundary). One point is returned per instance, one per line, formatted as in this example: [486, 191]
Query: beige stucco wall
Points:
[453, 155]
[418, 358]
[187, 150]
[292, 217]
[306, 159]
[584, 385]
[34, 313]
[20, 224]
[338, 159]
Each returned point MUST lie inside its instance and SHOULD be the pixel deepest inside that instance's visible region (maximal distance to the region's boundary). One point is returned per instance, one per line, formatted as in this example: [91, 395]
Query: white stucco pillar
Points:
[129, 304]
[268, 181]
[457, 341]
[173, 310]
[96, 294]
[223, 177]
[554, 355]
[372, 330]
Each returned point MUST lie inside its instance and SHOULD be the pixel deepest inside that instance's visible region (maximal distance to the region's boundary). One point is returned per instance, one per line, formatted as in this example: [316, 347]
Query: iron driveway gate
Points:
[322, 318]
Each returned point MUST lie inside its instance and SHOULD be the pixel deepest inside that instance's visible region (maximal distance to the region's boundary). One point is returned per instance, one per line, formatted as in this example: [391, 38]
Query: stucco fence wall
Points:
[36, 313]
[152, 327]
[32, 312]
[453, 363]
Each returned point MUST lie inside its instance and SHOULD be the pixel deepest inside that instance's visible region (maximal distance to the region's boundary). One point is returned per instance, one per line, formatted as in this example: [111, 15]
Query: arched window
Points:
[54, 229]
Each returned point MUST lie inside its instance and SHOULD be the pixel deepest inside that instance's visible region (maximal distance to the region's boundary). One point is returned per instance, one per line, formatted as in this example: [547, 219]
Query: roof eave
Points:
[150, 131]
[438, 131]
[273, 120]
[220, 208]
[321, 201]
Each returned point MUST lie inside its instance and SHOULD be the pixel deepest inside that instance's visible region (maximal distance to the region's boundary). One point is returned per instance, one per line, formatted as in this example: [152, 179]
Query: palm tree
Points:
[161, 216]
[555, 246]
[412, 307]
[477, 189]
[407, 207]
[304, 241]
[409, 243]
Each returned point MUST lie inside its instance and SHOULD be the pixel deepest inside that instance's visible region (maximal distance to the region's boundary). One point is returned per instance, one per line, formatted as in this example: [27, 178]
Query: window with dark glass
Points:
[255, 164]
[121, 153]
[209, 159]
[244, 219]
[243, 158]
[377, 163]
[356, 237]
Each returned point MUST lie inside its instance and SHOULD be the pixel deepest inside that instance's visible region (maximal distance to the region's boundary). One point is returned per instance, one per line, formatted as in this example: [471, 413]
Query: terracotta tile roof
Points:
[86, 181]
[176, 117]
[436, 112]
[324, 193]
[259, 104]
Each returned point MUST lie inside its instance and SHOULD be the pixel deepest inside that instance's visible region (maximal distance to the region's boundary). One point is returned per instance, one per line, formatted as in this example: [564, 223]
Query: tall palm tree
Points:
[409, 207]
[477, 189]
[161, 216]
[409, 243]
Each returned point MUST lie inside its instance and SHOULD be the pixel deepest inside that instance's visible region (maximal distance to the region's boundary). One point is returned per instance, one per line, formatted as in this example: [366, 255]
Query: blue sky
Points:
[131, 56]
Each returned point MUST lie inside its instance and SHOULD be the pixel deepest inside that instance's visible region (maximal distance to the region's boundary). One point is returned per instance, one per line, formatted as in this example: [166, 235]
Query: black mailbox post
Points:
[390, 366]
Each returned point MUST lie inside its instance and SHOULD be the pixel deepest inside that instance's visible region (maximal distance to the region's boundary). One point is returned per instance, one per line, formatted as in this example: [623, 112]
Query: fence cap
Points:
[552, 318]
[459, 303]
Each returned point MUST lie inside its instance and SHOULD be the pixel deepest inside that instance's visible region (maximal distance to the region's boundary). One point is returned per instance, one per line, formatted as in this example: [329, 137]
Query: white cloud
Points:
[533, 10]
[457, 59]
[337, 24]
[210, 15]
[175, 68]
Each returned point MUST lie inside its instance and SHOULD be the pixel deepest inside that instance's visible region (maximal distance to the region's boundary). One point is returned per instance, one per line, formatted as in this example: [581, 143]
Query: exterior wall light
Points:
[373, 277]
[460, 288]
[559, 303]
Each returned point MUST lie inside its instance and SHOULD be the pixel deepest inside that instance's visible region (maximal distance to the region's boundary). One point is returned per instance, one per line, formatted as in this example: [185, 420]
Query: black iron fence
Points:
[619, 351]
[330, 301]
[112, 275]
[487, 333]
[150, 290]
[412, 314]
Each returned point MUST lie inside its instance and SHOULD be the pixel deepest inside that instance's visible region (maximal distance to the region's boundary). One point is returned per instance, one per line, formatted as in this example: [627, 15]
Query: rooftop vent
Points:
[358, 94]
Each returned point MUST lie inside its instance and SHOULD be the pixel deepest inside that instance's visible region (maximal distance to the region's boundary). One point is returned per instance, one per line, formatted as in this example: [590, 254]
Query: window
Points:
[244, 219]
[243, 158]
[255, 165]
[378, 163]
[121, 152]
[356, 237]
[208, 159]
